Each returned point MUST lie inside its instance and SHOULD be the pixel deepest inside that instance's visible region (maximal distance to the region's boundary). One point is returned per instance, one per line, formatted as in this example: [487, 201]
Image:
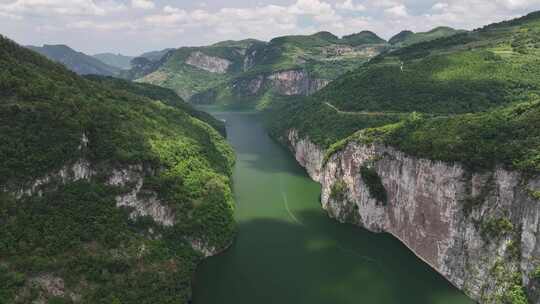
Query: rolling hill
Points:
[78, 62]
[407, 38]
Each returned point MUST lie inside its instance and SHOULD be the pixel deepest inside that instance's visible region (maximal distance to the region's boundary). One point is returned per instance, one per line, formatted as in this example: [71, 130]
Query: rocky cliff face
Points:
[208, 63]
[295, 82]
[478, 229]
[288, 83]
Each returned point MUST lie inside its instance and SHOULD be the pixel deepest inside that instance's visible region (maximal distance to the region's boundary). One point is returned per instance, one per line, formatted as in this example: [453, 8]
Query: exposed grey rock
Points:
[146, 204]
[79, 170]
[438, 210]
[208, 63]
[308, 155]
[295, 82]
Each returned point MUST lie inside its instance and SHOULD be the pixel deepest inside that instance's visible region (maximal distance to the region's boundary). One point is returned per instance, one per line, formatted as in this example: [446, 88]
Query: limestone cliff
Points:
[295, 82]
[208, 63]
[288, 83]
[480, 230]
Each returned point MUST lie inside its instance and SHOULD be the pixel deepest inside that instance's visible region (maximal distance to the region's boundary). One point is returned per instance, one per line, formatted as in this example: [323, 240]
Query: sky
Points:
[132, 27]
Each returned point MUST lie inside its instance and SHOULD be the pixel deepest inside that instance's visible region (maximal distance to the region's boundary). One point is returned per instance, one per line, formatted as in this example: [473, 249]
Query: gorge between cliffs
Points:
[288, 249]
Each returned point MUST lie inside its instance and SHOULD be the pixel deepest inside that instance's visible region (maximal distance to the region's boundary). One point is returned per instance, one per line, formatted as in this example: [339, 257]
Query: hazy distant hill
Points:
[155, 55]
[116, 60]
[78, 62]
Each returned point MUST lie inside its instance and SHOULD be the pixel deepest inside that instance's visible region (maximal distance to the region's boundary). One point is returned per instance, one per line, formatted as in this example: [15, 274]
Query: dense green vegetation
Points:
[508, 136]
[167, 96]
[321, 123]
[362, 38]
[475, 93]
[463, 73]
[74, 231]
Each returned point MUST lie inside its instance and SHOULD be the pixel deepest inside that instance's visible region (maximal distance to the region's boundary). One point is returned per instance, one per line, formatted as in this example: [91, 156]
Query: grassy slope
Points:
[407, 38]
[494, 72]
[75, 231]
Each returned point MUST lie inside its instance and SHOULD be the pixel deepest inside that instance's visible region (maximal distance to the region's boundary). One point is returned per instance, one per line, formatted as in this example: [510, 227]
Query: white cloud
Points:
[349, 5]
[103, 26]
[439, 6]
[171, 10]
[385, 3]
[516, 4]
[174, 23]
[143, 4]
[397, 11]
[59, 7]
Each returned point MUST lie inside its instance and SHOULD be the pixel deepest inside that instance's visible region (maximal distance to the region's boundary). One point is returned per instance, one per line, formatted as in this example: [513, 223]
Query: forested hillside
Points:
[408, 38]
[494, 69]
[109, 192]
[78, 62]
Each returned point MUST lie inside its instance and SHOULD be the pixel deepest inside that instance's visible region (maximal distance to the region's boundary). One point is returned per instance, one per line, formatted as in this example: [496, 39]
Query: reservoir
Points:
[289, 251]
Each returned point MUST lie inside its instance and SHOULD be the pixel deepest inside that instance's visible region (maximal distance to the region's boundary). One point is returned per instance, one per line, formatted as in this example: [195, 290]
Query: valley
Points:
[309, 168]
[287, 249]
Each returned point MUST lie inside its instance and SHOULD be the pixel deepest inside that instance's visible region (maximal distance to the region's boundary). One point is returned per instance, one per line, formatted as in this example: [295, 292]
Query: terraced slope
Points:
[109, 193]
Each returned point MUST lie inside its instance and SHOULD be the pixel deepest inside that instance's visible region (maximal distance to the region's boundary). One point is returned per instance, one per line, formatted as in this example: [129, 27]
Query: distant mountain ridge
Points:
[155, 55]
[247, 73]
[78, 62]
[406, 38]
[250, 73]
[116, 60]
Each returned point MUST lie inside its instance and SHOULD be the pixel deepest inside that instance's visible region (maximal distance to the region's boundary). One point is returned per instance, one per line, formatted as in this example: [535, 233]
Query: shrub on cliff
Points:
[373, 181]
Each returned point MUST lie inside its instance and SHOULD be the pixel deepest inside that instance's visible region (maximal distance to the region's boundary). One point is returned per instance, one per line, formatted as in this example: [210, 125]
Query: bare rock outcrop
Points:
[208, 63]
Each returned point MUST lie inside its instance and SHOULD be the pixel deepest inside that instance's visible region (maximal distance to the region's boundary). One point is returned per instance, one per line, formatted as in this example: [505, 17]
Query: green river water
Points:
[289, 251]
